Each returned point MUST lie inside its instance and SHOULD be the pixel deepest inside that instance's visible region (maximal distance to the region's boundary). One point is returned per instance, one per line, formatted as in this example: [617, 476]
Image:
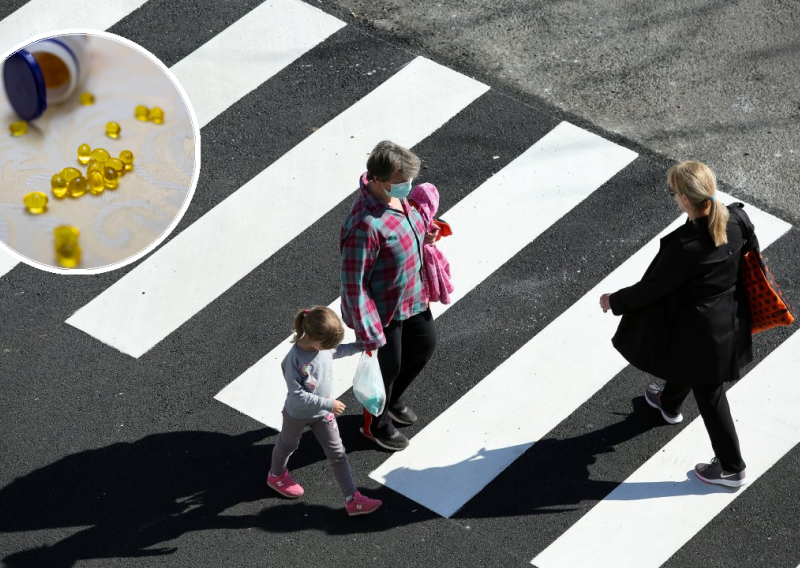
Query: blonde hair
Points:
[698, 183]
[388, 158]
[319, 323]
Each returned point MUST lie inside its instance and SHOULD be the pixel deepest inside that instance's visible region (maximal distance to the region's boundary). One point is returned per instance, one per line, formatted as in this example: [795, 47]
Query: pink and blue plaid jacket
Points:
[382, 269]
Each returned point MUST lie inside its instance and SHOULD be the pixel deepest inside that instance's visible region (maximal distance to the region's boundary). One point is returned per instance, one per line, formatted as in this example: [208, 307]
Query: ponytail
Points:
[698, 183]
[718, 223]
[299, 330]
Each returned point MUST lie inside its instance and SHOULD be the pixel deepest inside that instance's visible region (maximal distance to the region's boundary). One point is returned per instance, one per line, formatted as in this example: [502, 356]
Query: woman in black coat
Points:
[687, 320]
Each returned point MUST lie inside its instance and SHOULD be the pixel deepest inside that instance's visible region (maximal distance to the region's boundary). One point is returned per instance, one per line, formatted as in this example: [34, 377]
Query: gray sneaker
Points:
[713, 473]
[652, 395]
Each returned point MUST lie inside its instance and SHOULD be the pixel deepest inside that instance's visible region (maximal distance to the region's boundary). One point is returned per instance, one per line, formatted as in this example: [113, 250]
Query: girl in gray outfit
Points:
[308, 371]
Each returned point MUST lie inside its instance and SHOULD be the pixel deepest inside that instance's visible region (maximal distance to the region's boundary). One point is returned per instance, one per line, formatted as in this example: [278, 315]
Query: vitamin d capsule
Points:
[100, 155]
[96, 183]
[65, 234]
[18, 128]
[110, 177]
[142, 113]
[78, 186]
[59, 185]
[94, 165]
[70, 174]
[157, 115]
[36, 202]
[126, 156]
[113, 130]
[87, 99]
[116, 164]
[84, 154]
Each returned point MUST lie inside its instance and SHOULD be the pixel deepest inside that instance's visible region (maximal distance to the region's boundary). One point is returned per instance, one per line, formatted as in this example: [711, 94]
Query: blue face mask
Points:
[400, 190]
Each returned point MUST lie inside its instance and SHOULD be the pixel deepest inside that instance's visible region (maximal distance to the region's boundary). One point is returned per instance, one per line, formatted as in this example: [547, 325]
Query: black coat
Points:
[687, 320]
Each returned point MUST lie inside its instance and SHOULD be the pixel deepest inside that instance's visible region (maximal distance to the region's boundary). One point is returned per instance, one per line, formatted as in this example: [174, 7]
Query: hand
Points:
[338, 407]
[431, 236]
[605, 302]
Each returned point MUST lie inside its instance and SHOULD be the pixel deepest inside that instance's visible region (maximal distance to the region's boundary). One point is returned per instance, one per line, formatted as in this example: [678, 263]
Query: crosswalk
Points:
[529, 198]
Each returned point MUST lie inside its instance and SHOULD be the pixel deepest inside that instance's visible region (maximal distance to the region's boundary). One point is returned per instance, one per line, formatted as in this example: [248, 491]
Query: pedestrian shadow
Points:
[132, 497]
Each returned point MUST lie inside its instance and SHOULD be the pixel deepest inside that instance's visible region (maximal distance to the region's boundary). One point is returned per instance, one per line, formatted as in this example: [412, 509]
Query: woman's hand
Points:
[430, 236]
[605, 302]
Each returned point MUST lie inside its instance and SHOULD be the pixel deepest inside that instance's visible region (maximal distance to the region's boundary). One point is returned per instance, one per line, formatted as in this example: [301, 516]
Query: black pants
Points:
[409, 346]
[713, 406]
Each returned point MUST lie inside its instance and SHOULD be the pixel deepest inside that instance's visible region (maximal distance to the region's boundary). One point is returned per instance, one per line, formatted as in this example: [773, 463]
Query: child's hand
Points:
[338, 407]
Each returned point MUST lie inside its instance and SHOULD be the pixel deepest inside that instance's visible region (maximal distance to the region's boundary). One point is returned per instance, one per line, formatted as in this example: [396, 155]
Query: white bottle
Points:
[45, 72]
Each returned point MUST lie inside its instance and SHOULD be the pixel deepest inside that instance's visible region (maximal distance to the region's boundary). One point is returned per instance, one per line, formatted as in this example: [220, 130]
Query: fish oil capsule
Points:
[113, 130]
[84, 154]
[78, 186]
[18, 128]
[96, 182]
[157, 115]
[59, 185]
[36, 202]
[110, 177]
[116, 164]
[142, 113]
[94, 165]
[68, 252]
[100, 155]
[87, 99]
[126, 156]
[70, 174]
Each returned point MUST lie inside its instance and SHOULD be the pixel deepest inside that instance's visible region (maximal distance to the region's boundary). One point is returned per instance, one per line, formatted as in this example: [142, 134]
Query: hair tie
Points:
[305, 312]
[712, 198]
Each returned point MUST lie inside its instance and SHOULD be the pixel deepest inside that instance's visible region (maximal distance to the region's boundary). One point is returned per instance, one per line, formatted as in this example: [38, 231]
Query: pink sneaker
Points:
[285, 485]
[361, 505]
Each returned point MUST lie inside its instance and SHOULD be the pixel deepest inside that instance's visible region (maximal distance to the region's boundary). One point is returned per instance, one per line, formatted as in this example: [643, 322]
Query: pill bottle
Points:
[45, 72]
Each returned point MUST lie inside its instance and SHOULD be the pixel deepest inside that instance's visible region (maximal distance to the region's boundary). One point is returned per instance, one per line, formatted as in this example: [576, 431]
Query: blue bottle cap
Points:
[24, 84]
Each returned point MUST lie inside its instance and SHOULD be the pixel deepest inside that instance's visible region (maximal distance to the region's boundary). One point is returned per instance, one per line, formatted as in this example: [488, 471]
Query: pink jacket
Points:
[425, 198]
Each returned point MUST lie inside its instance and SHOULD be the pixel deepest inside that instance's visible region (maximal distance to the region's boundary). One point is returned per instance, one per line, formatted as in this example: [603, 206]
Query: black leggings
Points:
[713, 406]
[409, 346]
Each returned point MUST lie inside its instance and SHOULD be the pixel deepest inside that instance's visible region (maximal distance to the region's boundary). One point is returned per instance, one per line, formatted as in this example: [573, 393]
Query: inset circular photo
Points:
[99, 156]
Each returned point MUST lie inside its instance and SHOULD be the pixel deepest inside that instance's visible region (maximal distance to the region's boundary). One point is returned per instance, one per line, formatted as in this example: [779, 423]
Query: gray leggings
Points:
[327, 433]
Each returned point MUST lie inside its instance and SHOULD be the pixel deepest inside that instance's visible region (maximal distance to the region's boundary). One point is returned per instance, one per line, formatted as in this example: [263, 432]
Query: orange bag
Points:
[768, 307]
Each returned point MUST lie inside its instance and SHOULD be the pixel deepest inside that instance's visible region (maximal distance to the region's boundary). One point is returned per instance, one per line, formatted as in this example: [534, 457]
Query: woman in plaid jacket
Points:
[384, 296]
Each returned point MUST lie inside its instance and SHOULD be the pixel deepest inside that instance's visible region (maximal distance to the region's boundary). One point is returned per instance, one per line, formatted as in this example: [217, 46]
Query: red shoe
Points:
[285, 485]
[361, 505]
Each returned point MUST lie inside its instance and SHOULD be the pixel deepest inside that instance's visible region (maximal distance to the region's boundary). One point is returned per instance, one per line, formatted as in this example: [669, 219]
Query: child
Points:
[307, 369]
[425, 199]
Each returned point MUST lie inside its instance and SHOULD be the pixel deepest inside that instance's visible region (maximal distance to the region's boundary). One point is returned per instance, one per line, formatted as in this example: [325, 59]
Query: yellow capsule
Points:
[64, 234]
[70, 174]
[69, 257]
[78, 186]
[116, 164]
[84, 154]
[18, 128]
[96, 182]
[100, 155]
[142, 113]
[36, 202]
[59, 185]
[87, 99]
[113, 130]
[157, 115]
[127, 158]
[110, 177]
[94, 165]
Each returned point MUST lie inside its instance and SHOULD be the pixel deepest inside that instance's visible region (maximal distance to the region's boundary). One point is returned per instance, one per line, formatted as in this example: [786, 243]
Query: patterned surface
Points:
[119, 223]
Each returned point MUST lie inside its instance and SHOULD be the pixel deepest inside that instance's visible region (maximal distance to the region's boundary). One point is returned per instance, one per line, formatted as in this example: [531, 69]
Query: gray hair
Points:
[388, 158]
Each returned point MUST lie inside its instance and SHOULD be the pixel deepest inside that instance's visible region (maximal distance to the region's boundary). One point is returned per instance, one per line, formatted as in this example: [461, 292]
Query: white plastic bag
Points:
[368, 384]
